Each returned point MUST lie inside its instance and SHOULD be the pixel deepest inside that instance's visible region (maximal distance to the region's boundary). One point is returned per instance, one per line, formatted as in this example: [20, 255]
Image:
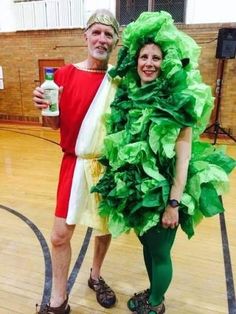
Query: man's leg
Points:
[105, 295]
[61, 258]
[101, 245]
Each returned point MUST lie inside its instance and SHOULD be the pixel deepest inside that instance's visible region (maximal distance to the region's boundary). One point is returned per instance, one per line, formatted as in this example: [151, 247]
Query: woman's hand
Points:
[170, 218]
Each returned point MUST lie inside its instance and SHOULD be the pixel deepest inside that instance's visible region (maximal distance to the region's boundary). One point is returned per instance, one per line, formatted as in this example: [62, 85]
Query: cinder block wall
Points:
[20, 52]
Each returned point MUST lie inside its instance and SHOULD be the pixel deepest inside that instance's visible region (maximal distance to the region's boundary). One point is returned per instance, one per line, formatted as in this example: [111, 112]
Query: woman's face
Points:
[149, 63]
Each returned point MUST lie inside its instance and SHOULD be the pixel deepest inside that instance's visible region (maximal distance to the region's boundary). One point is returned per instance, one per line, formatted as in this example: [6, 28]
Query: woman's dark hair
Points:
[146, 41]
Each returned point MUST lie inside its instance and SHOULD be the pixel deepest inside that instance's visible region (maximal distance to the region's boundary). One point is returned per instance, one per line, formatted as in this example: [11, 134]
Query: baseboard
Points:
[4, 118]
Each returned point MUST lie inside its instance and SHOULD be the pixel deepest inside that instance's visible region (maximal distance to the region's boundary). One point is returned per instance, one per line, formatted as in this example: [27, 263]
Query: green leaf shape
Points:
[142, 128]
[209, 202]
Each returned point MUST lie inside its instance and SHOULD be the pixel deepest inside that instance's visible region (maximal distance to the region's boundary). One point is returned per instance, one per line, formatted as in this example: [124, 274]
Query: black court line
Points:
[47, 257]
[46, 253]
[79, 260]
[228, 267]
[28, 134]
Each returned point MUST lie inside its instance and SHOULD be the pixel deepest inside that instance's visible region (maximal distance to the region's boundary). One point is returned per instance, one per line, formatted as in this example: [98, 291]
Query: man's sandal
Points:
[47, 309]
[138, 299]
[105, 295]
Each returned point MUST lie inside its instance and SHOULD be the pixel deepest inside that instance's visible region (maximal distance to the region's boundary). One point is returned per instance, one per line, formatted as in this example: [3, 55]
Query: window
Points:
[49, 14]
[25, 0]
[129, 10]
[175, 7]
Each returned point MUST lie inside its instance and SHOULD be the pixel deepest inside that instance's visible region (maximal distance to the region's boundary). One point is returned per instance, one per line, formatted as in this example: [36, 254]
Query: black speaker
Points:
[226, 43]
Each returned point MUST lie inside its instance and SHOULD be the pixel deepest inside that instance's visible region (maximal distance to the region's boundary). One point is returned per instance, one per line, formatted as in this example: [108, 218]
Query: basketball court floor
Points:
[204, 267]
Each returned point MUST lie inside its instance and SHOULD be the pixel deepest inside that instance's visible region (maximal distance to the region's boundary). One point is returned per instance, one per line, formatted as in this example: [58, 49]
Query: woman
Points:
[153, 180]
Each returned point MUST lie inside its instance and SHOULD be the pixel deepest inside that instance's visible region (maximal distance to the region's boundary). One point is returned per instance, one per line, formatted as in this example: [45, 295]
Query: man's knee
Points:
[59, 238]
[61, 233]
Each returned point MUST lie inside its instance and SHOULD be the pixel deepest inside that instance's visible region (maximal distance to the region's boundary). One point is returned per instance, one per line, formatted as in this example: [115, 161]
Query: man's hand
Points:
[41, 103]
[39, 99]
[170, 218]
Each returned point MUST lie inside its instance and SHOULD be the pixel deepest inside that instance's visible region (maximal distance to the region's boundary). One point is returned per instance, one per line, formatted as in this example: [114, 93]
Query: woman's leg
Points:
[158, 245]
[141, 297]
[147, 259]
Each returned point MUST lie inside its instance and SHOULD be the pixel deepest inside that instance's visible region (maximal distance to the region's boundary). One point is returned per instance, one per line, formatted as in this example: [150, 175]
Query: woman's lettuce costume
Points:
[142, 128]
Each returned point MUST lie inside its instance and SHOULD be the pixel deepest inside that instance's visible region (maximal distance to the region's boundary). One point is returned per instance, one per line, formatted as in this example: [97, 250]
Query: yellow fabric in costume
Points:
[82, 204]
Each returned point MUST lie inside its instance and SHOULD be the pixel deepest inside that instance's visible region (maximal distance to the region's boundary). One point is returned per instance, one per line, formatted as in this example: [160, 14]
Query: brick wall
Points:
[20, 52]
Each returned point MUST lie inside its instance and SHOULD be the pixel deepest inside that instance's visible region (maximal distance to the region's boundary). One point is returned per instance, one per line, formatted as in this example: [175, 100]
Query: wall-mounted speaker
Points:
[226, 43]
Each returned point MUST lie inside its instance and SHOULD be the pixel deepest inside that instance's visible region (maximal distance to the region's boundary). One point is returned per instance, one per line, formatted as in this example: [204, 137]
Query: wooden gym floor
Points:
[204, 267]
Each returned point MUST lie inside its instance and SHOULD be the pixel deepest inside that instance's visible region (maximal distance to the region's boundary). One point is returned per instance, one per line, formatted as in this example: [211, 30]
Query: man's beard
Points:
[100, 56]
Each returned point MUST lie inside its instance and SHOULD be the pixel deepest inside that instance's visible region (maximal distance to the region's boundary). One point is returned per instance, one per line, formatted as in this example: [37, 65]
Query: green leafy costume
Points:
[142, 128]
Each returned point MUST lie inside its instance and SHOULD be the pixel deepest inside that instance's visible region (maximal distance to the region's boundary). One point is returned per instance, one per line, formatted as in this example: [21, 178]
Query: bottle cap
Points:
[49, 70]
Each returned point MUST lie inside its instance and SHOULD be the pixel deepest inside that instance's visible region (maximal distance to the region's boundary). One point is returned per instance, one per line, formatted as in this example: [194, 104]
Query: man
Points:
[82, 85]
